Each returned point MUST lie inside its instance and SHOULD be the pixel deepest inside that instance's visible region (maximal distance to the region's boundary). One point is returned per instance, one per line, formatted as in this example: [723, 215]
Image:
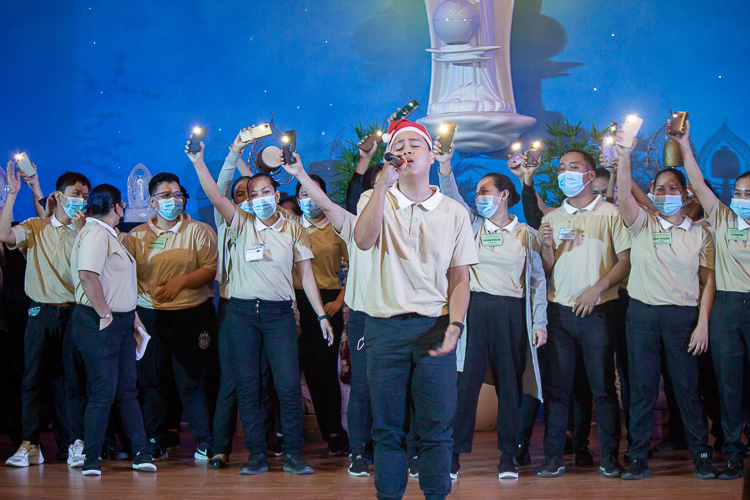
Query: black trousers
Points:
[496, 333]
[730, 347]
[320, 362]
[176, 353]
[43, 373]
[359, 413]
[109, 358]
[616, 320]
[566, 332]
[651, 330]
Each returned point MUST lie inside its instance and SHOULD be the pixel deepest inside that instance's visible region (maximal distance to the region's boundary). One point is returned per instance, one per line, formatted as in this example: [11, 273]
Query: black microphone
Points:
[394, 160]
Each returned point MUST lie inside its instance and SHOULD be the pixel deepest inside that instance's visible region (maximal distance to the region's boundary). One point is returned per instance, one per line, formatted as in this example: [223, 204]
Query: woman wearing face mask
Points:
[730, 317]
[672, 291]
[106, 293]
[319, 359]
[176, 264]
[260, 311]
[501, 325]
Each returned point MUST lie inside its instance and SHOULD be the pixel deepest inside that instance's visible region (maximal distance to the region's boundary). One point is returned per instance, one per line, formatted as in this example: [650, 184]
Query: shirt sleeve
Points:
[641, 221]
[537, 286]
[94, 251]
[347, 228]
[302, 247]
[531, 211]
[238, 221]
[208, 248]
[24, 233]
[224, 181]
[708, 252]
[464, 249]
[620, 234]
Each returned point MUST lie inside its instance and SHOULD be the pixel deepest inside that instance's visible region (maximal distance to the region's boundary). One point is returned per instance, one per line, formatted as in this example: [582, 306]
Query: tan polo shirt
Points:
[502, 259]
[46, 244]
[159, 255]
[97, 249]
[360, 267]
[664, 260]
[328, 249]
[597, 234]
[226, 244]
[417, 245]
[732, 252]
[264, 256]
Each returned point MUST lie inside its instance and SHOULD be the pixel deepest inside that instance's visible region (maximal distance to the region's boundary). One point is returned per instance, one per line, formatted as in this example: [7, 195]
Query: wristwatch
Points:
[325, 316]
[459, 325]
[108, 315]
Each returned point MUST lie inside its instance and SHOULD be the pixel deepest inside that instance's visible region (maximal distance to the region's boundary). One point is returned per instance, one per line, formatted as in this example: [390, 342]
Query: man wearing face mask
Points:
[176, 265]
[586, 254]
[47, 244]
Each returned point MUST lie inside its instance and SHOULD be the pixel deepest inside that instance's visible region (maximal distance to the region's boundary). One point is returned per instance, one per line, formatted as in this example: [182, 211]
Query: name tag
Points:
[492, 240]
[737, 234]
[252, 254]
[567, 233]
[661, 238]
[157, 243]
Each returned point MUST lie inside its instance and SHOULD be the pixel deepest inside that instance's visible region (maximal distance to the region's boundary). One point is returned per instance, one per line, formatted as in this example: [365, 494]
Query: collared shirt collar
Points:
[158, 232]
[510, 226]
[590, 207]
[259, 226]
[685, 224]
[56, 223]
[429, 204]
[741, 224]
[320, 224]
[106, 226]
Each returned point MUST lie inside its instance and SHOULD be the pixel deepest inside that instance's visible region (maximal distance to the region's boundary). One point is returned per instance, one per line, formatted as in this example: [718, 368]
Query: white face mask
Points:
[571, 183]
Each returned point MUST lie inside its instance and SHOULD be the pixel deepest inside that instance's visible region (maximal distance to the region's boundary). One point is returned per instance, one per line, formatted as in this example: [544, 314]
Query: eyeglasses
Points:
[165, 195]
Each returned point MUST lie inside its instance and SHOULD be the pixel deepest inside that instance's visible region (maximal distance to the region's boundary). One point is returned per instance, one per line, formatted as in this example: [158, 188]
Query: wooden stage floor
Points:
[183, 477]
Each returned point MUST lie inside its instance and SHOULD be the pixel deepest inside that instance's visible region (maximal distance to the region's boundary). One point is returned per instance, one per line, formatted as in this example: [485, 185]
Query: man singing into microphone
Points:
[417, 299]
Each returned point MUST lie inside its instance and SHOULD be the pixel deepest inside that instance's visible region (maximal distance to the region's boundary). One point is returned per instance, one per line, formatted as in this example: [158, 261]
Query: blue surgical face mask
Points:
[309, 208]
[486, 206]
[170, 209]
[741, 207]
[571, 183]
[668, 204]
[246, 207]
[264, 207]
[650, 196]
[73, 205]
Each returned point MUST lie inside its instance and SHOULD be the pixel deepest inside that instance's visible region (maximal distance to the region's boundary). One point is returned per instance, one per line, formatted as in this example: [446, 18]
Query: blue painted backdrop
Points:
[99, 86]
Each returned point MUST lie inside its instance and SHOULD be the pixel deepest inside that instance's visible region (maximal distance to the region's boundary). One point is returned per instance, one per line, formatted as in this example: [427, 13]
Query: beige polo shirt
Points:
[665, 259]
[97, 249]
[502, 259]
[226, 244]
[264, 256]
[46, 244]
[732, 252]
[597, 234]
[360, 267]
[417, 245]
[159, 255]
[329, 249]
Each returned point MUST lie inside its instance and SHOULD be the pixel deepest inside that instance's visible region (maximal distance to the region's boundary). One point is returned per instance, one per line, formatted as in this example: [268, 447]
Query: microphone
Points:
[394, 160]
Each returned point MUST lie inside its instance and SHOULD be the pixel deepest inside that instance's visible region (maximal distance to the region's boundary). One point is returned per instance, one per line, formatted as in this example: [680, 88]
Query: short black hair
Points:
[745, 175]
[603, 173]
[161, 178]
[586, 156]
[236, 183]
[503, 183]
[368, 179]
[263, 175]
[102, 199]
[318, 179]
[671, 170]
[71, 179]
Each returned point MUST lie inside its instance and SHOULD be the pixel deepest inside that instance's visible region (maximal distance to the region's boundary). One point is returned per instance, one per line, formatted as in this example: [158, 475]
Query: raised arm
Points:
[36, 191]
[447, 180]
[628, 205]
[222, 204]
[707, 198]
[6, 216]
[370, 221]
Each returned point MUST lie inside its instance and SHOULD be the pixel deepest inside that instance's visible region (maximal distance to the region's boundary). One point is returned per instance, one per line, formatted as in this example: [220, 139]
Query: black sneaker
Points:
[144, 462]
[296, 465]
[275, 447]
[112, 452]
[610, 467]
[338, 446]
[704, 469]
[552, 466]
[733, 470]
[256, 464]
[455, 466]
[638, 470]
[583, 457]
[204, 451]
[506, 469]
[157, 451]
[414, 466]
[359, 467]
[522, 456]
[92, 467]
[218, 461]
[671, 443]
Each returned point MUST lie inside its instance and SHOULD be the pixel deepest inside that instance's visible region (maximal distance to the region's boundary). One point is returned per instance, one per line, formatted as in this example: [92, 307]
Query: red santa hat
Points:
[404, 125]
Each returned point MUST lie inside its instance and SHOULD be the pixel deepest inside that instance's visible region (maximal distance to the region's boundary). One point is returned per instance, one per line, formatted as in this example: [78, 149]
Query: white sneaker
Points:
[27, 454]
[75, 454]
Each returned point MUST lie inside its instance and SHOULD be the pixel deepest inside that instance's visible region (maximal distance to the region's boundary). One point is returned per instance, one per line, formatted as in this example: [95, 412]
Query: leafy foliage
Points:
[348, 158]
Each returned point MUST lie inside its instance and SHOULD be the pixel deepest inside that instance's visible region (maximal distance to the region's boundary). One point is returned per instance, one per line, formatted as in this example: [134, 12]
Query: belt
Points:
[64, 304]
